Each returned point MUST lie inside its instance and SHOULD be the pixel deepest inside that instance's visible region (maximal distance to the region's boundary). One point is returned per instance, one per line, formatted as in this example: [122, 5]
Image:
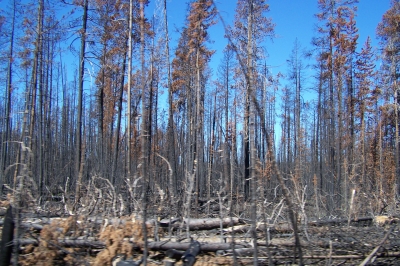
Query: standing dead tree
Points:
[275, 168]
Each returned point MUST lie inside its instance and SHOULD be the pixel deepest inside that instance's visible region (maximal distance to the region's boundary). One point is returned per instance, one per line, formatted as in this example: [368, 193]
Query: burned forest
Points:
[129, 136]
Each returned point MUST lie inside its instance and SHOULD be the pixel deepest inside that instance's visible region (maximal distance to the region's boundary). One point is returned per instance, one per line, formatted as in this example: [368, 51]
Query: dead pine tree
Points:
[245, 68]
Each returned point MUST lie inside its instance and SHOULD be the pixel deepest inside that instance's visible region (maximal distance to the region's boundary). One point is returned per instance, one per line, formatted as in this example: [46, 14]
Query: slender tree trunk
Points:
[251, 136]
[227, 178]
[27, 140]
[332, 124]
[396, 90]
[352, 125]
[234, 156]
[78, 133]
[40, 130]
[129, 104]
[199, 128]
[340, 187]
[144, 132]
[152, 107]
[36, 74]
[397, 132]
[170, 130]
[211, 153]
[48, 147]
[362, 141]
[246, 144]
[144, 121]
[100, 114]
[119, 118]
[318, 138]
[6, 132]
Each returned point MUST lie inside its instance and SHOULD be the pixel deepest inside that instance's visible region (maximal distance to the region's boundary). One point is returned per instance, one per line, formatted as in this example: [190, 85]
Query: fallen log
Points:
[167, 222]
[340, 221]
[156, 246]
[174, 254]
[194, 224]
[239, 252]
[340, 257]
[286, 227]
[206, 247]
[201, 224]
[243, 228]
[84, 243]
[248, 252]
[189, 257]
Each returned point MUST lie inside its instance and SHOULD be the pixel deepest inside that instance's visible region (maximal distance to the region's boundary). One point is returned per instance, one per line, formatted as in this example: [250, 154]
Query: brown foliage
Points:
[119, 239]
[48, 251]
[122, 237]
[389, 27]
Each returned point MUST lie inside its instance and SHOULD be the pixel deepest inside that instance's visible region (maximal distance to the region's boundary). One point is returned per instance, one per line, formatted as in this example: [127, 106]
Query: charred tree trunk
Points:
[78, 132]
[6, 131]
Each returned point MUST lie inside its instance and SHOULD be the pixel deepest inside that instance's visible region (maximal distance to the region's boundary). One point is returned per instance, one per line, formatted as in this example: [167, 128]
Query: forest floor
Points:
[96, 240]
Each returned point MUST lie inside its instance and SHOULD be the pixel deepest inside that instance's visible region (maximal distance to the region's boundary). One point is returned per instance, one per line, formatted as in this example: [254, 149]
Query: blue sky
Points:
[293, 19]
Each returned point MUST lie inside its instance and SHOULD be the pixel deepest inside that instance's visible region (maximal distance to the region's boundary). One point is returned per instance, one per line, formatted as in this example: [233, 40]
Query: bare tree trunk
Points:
[226, 162]
[49, 162]
[233, 158]
[251, 136]
[211, 153]
[396, 91]
[144, 132]
[129, 104]
[34, 82]
[199, 131]
[318, 138]
[78, 133]
[6, 132]
[274, 164]
[339, 140]
[119, 118]
[41, 110]
[246, 149]
[100, 114]
[332, 123]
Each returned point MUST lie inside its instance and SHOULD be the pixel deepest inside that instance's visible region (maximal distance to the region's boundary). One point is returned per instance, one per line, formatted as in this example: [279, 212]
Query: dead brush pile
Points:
[49, 251]
[123, 238]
